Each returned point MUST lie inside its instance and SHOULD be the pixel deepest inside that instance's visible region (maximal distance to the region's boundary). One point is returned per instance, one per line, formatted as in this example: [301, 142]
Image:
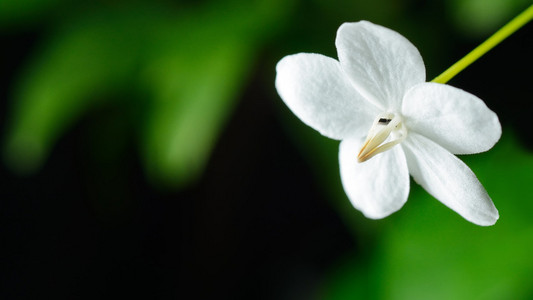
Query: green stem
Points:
[492, 41]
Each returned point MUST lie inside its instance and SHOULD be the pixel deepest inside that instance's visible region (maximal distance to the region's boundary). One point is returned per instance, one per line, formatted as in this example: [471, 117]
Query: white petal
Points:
[317, 91]
[377, 187]
[451, 117]
[381, 63]
[449, 180]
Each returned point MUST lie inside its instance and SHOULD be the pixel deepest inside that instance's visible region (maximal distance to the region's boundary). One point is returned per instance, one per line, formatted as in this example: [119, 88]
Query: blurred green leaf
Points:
[480, 18]
[63, 81]
[192, 62]
[25, 11]
[466, 261]
[430, 252]
[195, 82]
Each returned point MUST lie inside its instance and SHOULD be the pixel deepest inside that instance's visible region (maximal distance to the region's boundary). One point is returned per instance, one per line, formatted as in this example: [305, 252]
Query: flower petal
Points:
[381, 63]
[315, 88]
[449, 180]
[451, 117]
[377, 187]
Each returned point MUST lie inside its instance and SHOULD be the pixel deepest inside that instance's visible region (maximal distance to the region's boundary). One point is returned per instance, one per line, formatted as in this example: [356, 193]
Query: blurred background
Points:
[146, 154]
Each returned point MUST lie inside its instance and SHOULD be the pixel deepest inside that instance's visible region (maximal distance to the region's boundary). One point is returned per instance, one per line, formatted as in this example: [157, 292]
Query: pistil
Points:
[386, 132]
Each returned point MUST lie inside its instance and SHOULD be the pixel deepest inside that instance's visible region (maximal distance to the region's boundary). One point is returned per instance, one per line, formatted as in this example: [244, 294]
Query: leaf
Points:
[480, 18]
[194, 96]
[61, 83]
[466, 261]
[192, 63]
[429, 252]
[195, 77]
[25, 11]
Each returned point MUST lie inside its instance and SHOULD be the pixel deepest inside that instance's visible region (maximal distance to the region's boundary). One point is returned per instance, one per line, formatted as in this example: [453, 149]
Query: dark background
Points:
[254, 227]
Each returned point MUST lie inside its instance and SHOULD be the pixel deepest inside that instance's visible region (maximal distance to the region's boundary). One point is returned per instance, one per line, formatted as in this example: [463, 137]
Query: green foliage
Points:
[61, 83]
[25, 12]
[479, 18]
[191, 62]
[429, 252]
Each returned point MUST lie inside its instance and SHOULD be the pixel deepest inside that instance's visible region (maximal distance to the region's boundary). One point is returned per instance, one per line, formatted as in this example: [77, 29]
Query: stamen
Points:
[385, 125]
[384, 121]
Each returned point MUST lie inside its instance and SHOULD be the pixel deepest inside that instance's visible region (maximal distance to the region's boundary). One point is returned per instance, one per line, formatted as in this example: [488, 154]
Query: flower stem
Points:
[487, 45]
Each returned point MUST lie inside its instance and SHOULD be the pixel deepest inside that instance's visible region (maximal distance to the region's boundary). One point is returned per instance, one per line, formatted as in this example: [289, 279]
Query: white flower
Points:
[391, 122]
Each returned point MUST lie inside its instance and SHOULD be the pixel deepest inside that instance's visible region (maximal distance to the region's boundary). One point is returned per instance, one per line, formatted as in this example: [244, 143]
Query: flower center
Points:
[387, 131]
